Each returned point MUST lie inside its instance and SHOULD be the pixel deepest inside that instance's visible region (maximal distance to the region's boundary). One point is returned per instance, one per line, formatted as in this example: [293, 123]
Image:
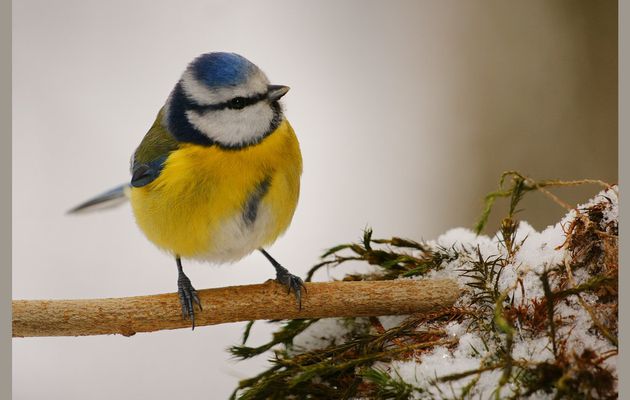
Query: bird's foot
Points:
[284, 277]
[187, 297]
[292, 282]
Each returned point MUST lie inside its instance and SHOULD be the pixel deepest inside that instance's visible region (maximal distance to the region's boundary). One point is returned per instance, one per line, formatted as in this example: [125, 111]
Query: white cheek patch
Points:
[202, 95]
[234, 127]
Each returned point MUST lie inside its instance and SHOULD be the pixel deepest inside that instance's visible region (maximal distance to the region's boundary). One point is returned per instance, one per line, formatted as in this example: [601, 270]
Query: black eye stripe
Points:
[235, 103]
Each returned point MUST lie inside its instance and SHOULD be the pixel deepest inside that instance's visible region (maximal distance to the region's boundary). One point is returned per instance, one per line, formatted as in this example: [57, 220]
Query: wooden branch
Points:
[127, 316]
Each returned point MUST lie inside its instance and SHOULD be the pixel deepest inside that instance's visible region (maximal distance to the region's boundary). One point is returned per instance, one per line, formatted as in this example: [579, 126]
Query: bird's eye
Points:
[237, 103]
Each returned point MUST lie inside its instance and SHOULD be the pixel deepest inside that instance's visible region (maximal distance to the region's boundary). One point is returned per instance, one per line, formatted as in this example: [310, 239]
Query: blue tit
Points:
[217, 176]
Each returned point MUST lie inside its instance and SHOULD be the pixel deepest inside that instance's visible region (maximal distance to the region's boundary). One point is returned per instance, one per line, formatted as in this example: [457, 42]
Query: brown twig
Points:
[269, 300]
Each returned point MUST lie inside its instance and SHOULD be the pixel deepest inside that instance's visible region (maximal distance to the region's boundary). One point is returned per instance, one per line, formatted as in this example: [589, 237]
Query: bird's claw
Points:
[292, 282]
[187, 298]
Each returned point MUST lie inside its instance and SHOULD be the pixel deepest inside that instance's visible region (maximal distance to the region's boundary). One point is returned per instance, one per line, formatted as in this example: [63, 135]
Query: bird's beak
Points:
[274, 92]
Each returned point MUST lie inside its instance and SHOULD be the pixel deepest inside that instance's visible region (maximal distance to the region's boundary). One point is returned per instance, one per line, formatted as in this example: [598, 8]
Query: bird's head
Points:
[224, 99]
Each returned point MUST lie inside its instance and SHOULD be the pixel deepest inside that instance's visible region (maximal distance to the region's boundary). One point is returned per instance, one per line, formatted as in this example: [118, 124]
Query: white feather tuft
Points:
[234, 239]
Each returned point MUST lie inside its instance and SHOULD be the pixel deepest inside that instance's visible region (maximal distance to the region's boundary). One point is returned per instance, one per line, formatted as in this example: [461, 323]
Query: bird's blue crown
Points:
[222, 69]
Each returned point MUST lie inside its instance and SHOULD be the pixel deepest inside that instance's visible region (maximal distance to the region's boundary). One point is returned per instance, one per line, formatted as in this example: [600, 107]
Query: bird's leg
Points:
[187, 294]
[284, 277]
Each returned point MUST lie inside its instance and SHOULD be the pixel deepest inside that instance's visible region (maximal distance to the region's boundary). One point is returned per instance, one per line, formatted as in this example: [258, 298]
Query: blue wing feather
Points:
[144, 173]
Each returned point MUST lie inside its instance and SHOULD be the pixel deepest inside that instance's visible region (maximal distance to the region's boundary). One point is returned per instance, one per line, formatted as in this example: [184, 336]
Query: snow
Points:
[323, 333]
[536, 252]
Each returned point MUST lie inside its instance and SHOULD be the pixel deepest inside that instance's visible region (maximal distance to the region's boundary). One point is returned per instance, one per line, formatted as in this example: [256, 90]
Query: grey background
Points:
[5, 199]
[407, 113]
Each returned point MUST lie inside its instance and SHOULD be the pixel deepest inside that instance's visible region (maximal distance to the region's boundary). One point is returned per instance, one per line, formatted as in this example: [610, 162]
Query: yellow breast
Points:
[197, 207]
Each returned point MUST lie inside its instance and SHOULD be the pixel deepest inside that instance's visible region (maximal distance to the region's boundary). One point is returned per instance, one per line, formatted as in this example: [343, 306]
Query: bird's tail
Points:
[112, 198]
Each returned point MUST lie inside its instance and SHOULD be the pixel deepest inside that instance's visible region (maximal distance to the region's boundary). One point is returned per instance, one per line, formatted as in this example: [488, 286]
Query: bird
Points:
[217, 175]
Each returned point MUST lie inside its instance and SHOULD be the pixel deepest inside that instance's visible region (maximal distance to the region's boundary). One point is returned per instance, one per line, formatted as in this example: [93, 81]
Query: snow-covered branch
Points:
[537, 318]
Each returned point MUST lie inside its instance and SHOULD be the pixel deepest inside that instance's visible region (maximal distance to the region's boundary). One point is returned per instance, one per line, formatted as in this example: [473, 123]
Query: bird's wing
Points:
[149, 157]
[146, 165]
